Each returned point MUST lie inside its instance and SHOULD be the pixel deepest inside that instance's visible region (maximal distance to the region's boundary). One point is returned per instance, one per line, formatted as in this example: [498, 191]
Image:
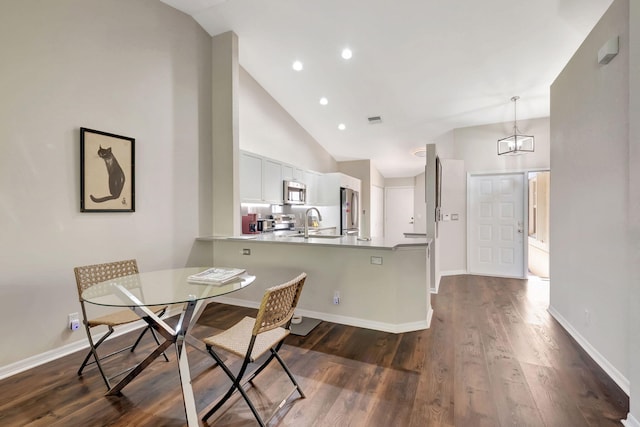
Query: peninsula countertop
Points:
[326, 240]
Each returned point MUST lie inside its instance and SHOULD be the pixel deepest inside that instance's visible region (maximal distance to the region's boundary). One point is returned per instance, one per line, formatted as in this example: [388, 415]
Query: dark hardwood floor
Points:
[492, 357]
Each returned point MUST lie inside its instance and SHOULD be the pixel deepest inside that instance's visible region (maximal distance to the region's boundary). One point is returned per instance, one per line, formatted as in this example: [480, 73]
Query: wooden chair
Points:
[90, 275]
[252, 338]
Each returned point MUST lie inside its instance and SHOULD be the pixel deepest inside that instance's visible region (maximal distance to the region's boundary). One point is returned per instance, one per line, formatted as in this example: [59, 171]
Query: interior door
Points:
[496, 225]
[398, 212]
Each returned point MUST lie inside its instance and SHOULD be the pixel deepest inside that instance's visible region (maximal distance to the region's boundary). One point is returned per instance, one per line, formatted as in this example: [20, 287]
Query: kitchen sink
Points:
[317, 236]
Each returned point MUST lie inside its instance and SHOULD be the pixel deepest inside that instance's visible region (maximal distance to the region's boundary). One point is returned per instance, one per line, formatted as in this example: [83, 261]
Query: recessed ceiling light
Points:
[297, 65]
[341, 126]
[324, 101]
[346, 53]
[420, 152]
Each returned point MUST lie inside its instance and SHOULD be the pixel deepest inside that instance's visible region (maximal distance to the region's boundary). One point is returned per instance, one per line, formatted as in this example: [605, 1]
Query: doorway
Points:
[398, 212]
[538, 236]
[496, 225]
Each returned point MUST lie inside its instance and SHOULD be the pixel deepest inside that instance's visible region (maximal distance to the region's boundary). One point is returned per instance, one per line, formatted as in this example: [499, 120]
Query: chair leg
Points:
[231, 390]
[235, 386]
[155, 337]
[93, 351]
[144, 331]
[286, 369]
[261, 368]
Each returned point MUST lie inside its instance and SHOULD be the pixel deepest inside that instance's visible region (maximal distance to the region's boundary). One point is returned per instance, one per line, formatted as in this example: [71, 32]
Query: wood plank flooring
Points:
[492, 357]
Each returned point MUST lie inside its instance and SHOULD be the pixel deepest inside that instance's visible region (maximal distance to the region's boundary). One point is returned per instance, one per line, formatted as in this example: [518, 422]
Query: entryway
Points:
[496, 225]
[497, 212]
[538, 238]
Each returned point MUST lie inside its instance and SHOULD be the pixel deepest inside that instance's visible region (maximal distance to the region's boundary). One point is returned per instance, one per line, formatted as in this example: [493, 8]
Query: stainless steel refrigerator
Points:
[349, 219]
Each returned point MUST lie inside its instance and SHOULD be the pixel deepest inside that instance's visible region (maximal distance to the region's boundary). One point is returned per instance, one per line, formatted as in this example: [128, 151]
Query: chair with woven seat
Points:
[252, 338]
[89, 275]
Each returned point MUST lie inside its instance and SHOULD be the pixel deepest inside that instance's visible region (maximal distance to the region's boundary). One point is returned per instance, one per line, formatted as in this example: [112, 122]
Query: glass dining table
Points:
[141, 292]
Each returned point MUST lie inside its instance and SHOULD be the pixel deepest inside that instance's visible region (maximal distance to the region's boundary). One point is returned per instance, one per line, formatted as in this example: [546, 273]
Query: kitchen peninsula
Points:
[378, 284]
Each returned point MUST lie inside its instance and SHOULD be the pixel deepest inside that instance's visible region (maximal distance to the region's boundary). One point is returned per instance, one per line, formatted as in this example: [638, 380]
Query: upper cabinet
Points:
[250, 177]
[261, 181]
[292, 173]
[272, 181]
[261, 178]
[330, 184]
[312, 180]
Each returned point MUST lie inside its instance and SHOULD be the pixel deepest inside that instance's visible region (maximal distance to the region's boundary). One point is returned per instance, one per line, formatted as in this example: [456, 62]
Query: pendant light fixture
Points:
[516, 143]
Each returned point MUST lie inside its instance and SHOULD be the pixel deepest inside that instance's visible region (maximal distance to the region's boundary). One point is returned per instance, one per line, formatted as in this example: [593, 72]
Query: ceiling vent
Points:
[374, 120]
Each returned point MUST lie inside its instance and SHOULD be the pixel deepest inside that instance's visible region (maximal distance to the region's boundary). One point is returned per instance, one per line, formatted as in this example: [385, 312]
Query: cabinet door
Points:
[288, 173]
[272, 181]
[328, 190]
[310, 179]
[250, 178]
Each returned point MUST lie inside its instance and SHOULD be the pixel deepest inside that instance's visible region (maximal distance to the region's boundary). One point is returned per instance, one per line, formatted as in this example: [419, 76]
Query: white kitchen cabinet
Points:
[330, 184]
[261, 180]
[250, 177]
[272, 181]
[311, 180]
[288, 173]
[292, 173]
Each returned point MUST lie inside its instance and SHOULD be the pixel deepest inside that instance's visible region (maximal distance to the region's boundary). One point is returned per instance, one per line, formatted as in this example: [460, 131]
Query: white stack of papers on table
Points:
[216, 275]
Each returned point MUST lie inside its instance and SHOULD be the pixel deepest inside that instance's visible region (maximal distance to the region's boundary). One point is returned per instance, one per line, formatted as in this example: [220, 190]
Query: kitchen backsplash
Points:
[330, 214]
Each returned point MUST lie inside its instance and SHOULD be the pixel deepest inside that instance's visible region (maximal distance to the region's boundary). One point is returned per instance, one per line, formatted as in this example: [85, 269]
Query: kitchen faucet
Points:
[306, 220]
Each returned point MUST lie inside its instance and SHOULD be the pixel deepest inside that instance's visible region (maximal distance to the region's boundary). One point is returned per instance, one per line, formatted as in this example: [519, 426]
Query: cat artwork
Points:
[115, 173]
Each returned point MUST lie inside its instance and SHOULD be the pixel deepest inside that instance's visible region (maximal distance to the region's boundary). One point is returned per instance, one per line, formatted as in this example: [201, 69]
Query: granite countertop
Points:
[337, 241]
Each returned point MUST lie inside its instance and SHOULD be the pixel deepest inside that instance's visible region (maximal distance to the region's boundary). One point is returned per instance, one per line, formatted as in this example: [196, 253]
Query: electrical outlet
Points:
[336, 297]
[74, 321]
[587, 317]
[246, 251]
[376, 260]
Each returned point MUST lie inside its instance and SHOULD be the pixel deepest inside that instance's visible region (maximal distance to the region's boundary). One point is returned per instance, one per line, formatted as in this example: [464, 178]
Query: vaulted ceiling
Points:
[424, 66]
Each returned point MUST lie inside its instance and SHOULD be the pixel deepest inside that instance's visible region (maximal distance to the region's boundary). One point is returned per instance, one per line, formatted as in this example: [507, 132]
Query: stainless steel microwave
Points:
[294, 193]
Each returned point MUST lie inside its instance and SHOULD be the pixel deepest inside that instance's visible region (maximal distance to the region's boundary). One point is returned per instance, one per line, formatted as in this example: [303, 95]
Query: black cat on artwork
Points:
[116, 175]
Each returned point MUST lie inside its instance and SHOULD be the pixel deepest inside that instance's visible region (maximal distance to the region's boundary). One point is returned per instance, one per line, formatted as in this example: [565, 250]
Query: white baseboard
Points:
[436, 288]
[616, 375]
[343, 320]
[453, 272]
[631, 421]
[82, 344]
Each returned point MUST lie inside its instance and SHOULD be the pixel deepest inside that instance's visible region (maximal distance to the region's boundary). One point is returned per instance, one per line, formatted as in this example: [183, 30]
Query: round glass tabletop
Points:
[160, 287]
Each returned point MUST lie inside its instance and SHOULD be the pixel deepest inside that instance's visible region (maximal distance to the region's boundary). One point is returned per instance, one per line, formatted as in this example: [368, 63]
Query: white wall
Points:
[269, 130]
[477, 146]
[634, 210]
[419, 204]
[453, 244]
[139, 69]
[589, 195]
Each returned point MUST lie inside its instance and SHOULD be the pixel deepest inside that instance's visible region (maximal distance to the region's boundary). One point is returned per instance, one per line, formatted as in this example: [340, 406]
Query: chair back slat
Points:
[89, 275]
[278, 305]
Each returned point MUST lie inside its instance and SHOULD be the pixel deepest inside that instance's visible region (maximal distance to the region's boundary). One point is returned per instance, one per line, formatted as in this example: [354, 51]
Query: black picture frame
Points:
[107, 172]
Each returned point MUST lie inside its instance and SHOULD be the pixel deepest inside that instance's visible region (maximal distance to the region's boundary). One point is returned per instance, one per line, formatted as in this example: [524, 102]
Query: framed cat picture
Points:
[107, 172]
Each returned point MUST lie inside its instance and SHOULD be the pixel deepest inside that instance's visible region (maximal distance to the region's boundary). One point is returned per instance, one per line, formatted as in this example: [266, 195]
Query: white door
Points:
[398, 212]
[496, 225]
